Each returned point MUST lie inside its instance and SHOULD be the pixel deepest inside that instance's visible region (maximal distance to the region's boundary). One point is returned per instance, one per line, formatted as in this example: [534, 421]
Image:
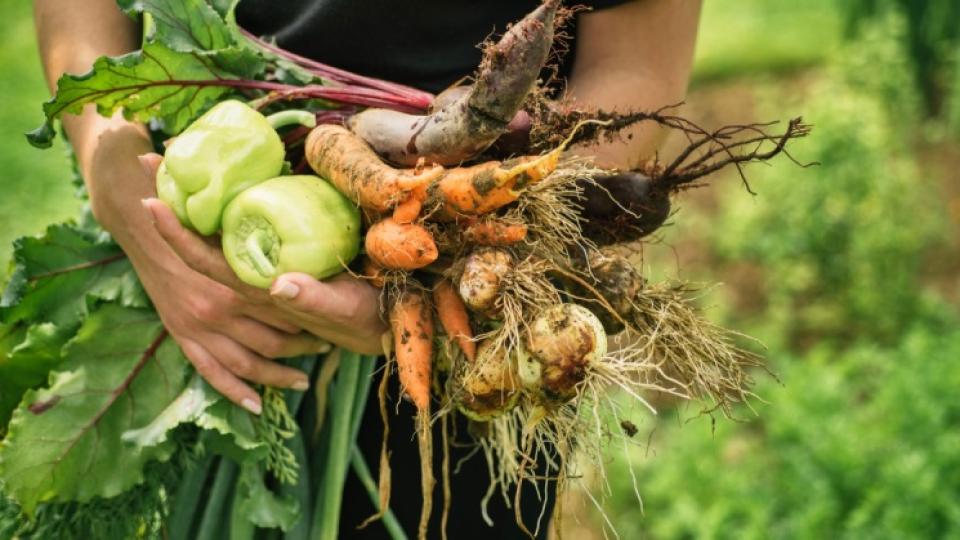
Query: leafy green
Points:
[154, 82]
[197, 26]
[59, 276]
[200, 404]
[144, 512]
[260, 505]
[64, 442]
[27, 363]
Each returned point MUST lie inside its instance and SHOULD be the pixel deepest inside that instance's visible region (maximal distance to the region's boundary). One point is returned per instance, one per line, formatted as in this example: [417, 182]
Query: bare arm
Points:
[636, 56]
[228, 331]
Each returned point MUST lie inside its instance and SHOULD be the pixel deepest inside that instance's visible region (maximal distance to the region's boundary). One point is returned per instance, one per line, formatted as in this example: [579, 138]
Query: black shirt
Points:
[429, 44]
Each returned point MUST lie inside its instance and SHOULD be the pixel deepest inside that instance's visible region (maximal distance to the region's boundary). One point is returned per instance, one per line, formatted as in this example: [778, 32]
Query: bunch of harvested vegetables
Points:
[505, 268]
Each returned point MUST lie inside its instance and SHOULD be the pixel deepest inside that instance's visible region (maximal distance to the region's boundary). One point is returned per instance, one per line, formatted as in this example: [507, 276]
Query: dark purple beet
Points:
[622, 207]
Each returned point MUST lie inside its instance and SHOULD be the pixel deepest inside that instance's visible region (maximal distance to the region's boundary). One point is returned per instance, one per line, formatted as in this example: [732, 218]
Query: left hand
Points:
[342, 310]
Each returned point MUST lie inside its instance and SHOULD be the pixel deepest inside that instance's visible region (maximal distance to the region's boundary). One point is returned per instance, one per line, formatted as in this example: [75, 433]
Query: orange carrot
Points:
[346, 161]
[398, 246]
[412, 325]
[483, 188]
[409, 210]
[494, 232]
[454, 318]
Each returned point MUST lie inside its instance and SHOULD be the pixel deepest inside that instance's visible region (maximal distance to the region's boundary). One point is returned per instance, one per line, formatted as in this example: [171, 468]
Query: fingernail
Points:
[286, 290]
[145, 164]
[252, 406]
[301, 385]
[323, 347]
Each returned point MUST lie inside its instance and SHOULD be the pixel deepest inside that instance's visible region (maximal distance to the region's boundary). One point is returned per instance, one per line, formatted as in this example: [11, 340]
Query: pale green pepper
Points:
[228, 149]
[290, 224]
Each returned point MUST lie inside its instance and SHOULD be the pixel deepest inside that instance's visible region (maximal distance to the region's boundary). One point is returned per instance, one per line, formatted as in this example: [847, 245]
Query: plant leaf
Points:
[27, 354]
[200, 404]
[64, 442]
[197, 26]
[60, 276]
[154, 82]
[260, 505]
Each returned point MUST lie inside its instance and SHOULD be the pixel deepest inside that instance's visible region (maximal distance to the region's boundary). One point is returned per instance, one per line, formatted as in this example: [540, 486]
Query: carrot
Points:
[412, 325]
[454, 318]
[483, 188]
[345, 160]
[409, 210]
[494, 232]
[466, 122]
[398, 246]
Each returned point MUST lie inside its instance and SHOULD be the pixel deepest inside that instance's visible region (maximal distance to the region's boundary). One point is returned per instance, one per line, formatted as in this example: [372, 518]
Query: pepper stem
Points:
[286, 118]
[255, 244]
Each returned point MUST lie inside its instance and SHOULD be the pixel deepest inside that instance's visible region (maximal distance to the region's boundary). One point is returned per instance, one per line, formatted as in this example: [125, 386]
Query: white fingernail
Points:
[324, 347]
[286, 290]
[252, 406]
[301, 386]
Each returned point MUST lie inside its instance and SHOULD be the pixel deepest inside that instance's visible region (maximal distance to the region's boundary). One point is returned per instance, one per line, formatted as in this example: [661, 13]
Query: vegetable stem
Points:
[255, 248]
[326, 518]
[186, 499]
[213, 522]
[290, 117]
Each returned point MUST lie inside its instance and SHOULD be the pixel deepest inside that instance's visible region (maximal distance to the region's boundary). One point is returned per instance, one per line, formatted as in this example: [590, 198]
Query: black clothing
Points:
[429, 44]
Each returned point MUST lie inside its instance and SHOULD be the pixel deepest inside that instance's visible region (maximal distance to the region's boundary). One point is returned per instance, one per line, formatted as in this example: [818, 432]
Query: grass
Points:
[37, 182]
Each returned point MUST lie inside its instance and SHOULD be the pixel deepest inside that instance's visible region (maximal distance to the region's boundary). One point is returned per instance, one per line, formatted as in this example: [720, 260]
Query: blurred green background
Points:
[848, 272]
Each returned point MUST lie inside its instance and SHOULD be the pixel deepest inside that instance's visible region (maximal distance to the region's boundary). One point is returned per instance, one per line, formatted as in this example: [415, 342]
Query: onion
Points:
[566, 340]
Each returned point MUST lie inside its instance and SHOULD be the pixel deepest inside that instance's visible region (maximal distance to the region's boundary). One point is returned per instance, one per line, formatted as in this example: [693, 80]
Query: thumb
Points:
[150, 163]
[304, 293]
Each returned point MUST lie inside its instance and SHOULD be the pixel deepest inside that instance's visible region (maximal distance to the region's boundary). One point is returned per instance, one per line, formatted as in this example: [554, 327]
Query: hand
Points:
[228, 337]
[343, 310]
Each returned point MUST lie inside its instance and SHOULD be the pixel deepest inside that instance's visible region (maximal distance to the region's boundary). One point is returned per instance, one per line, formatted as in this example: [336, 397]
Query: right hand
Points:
[229, 336]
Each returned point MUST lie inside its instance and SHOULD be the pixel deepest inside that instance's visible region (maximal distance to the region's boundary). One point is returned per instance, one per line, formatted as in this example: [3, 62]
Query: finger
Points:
[271, 343]
[342, 300]
[220, 378]
[269, 316]
[150, 163]
[196, 252]
[252, 367]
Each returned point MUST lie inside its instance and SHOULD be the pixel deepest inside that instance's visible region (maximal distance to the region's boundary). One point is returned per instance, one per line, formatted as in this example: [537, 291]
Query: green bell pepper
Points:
[290, 224]
[228, 149]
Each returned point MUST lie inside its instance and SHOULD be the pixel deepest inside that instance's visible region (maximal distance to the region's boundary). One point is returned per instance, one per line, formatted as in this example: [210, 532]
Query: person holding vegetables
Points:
[626, 55]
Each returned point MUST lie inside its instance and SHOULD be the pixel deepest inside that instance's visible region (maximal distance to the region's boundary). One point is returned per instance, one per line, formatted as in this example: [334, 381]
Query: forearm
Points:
[70, 40]
[637, 56]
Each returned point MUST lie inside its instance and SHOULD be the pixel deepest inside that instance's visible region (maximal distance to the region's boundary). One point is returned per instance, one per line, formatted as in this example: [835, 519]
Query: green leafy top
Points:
[192, 56]
[65, 442]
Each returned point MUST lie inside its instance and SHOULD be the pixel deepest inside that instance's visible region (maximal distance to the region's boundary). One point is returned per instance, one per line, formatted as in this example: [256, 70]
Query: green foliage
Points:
[932, 38]
[57, 277]
[149, 83]
[840, 245]
[859, 440]
[65, 442]
[855, 444]
[758, 37]
[141, 512]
